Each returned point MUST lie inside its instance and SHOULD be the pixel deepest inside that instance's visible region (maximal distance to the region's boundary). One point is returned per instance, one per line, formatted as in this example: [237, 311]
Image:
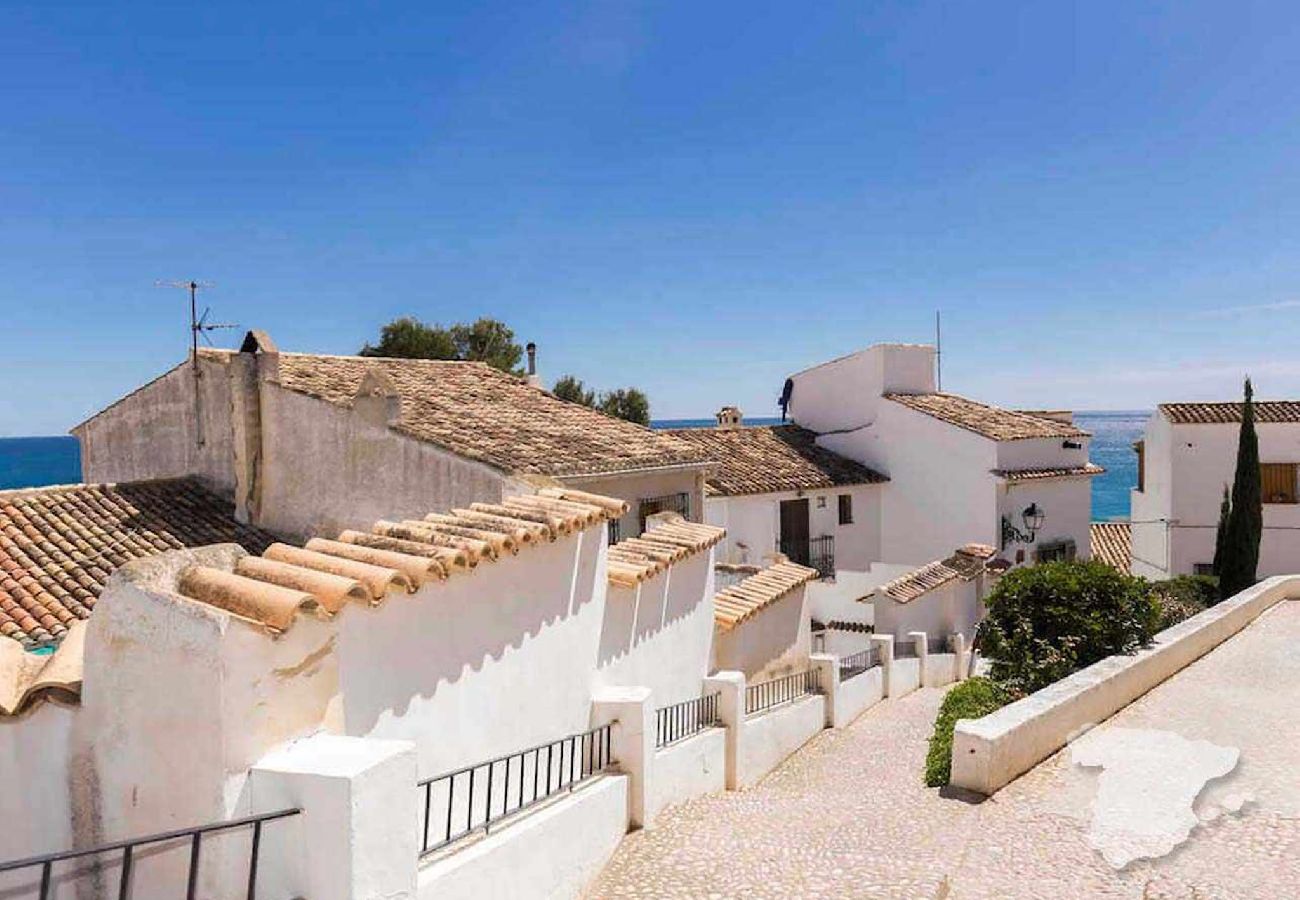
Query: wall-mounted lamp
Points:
[1033, 517]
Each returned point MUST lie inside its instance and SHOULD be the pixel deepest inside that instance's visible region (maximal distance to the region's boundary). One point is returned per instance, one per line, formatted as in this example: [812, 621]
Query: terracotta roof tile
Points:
[966, 564]
[760, 460]
[992, 422]
[1266, 412]
[27, 677]
[491, 416]
[59, 545]
[1087, 470]
[738, 602]
[633, 560]
[1111, 543]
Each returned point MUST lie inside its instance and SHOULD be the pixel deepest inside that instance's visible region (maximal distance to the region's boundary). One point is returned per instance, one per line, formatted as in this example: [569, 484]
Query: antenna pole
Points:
[938, 351]
[194, 326]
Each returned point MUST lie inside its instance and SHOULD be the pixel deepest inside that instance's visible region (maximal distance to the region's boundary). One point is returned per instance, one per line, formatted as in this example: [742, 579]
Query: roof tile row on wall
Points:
[738, 602]
[1045, 472]
[1266, 412]
[991, 422]
[967, 563]
[633, 560]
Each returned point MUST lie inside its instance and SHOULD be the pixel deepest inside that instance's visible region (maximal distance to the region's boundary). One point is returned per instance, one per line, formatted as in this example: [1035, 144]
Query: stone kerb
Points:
[990, 752]
[632, 742]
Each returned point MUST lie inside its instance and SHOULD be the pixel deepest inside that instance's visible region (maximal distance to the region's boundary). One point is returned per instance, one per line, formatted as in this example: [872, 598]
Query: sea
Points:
[38, 461]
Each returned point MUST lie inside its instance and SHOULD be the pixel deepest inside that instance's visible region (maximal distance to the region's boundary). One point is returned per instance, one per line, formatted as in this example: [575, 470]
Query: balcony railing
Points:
[461, 802]
[767, 694]
[857, 663]
[817, 553]
[681, 720]
[128, 849]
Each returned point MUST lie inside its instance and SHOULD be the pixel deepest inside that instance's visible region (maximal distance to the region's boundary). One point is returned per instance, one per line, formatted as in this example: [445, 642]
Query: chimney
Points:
[730, 417]
[532, 365]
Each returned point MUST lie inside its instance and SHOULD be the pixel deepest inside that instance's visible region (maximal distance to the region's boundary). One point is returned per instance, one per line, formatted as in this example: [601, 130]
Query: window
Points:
[1055, 551]
[1140, 448]
[1203, 569]
[846, 509]
[678, 503]
[1277, 482]
[615, 531]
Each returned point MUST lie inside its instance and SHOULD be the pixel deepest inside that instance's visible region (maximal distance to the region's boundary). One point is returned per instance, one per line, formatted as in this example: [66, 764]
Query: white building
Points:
[959, 471]
[1188, 454]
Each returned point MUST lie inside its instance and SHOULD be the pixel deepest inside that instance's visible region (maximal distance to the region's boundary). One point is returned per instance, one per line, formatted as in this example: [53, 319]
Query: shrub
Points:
[1183, 597]
[970, 699]
[1046, 621]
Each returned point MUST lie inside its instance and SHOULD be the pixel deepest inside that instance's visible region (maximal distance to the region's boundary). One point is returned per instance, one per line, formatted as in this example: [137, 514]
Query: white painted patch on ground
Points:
[1148, 785]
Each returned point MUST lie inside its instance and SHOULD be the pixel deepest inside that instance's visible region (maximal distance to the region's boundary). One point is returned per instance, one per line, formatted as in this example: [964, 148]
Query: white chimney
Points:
[533, 378]
[730, 417]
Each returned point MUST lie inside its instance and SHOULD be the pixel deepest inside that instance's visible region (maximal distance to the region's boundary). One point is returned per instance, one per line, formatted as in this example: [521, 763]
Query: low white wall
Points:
[905, 676]
[768, 738]
[940, 669]
[549, 852]
[988, 753]
[690, 768]
[858, 694]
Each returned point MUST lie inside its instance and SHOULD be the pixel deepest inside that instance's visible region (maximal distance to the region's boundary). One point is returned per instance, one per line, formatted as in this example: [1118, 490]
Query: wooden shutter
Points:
[1278, 482]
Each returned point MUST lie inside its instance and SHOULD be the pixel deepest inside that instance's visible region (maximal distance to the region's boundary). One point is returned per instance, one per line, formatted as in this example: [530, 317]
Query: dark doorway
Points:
[793, 540]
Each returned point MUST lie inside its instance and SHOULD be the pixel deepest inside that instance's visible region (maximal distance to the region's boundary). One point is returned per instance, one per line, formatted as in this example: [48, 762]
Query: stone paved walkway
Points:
[847, 815]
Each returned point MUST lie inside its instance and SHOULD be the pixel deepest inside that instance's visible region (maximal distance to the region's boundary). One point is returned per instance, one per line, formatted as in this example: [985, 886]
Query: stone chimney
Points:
[730, 417]
[533, 377]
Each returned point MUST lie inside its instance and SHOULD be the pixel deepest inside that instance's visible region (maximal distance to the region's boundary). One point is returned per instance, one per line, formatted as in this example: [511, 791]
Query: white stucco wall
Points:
[1066, 504]
[151, 433]
[660, 634]
[35, 768]
[1176, 514]
[858, 694]
[769, 737]
[818, 401]
[773, 642]
[954, 608]
[689, 768]
[636, 486]
[904, 676]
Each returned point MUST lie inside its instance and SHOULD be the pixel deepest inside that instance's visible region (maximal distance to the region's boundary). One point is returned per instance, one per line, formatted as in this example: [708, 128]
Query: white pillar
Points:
[922, 655]
[632, 742]
[357, 835]
[731, 713]
[958, 644]
[884, 644]
[828, 678]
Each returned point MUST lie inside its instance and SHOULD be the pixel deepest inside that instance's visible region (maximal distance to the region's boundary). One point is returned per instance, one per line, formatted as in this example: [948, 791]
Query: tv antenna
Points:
[199, 327]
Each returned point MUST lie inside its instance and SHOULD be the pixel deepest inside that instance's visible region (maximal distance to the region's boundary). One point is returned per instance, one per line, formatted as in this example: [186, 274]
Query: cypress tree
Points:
[1221, 532]
[1246, 518]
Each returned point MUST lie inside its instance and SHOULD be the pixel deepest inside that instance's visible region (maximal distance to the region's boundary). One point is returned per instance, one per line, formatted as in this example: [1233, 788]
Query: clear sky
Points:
[697, 198]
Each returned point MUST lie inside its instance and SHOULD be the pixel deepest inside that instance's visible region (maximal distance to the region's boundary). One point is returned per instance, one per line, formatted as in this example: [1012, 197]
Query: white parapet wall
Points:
[550, 852]
[990, 752]
[766, 739]
[689, 768]
[905, 676]
[858, 694]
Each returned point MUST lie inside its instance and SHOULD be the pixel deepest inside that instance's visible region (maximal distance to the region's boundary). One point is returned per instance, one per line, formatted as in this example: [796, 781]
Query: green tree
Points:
[1046, 621]
[573, 390]
[626, 403]
[1221, 532]
[1241, 538]
[485, 340]
[409, 338]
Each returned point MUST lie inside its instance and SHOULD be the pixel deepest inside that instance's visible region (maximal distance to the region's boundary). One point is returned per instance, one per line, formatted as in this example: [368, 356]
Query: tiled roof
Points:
[1266, 411]
[990, 421]
[773, 458]
[966, 563]
[58, 545]
[1111, 543]
[1048, 472]
[491, 416]
[325, 576]
[633, 560]
[26, 677]
[736, 603]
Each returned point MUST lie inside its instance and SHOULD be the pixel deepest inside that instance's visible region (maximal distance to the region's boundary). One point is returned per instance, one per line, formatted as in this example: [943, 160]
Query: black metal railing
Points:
[681, 720]
[46, 863]
[816, 553]
[905, 649]
[461, 802]
[857, 663]
[615, 531]
[937, 645]
[678, 503]
[767, 694]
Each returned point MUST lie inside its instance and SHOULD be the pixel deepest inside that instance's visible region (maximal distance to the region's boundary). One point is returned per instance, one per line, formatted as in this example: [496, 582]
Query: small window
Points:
[846, 509]
[1277, 482]
[1140, 448]
[1203, 569]
[1057, 551]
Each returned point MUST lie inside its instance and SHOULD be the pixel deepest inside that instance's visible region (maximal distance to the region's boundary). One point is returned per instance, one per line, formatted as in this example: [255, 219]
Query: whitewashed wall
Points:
[953, 608]
[776, 641]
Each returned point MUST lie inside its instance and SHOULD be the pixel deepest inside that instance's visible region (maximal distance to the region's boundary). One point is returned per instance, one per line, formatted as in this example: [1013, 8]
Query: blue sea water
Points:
[1113, 434]
[36, 461]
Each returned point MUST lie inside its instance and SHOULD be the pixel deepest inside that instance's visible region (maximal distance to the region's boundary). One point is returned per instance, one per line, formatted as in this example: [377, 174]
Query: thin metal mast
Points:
[938, 351]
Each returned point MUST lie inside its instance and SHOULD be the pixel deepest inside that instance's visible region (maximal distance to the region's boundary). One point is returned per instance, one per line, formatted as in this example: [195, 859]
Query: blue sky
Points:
[696, 198]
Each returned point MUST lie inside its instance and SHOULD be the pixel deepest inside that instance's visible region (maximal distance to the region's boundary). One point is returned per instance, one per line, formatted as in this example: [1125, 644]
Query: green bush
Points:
[970, 699]
[1046, 621]
[1183, 597]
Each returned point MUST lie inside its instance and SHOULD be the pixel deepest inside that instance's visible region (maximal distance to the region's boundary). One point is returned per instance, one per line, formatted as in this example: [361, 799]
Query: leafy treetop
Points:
[485, 340]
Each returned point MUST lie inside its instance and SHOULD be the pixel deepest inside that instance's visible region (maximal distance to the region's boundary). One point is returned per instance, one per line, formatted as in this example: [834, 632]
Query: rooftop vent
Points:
[730, 417]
